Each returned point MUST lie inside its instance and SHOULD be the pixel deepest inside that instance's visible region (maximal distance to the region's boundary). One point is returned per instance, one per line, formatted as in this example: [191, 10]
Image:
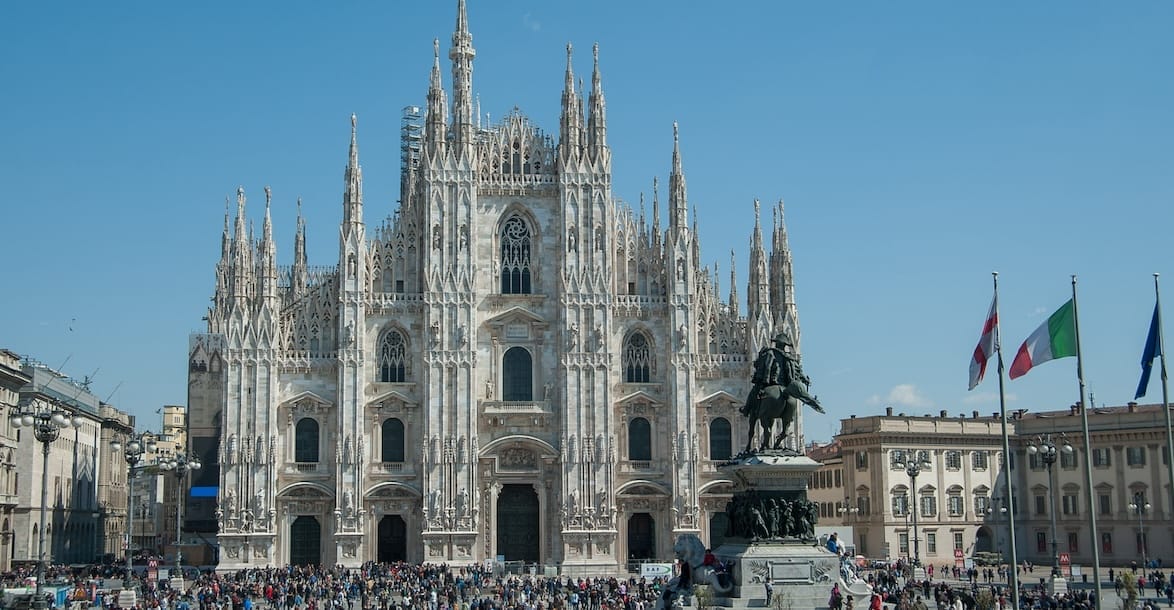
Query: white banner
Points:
[653, 570]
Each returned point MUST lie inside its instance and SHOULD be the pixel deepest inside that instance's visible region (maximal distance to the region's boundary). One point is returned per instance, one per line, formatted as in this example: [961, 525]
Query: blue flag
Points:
[1152, 349]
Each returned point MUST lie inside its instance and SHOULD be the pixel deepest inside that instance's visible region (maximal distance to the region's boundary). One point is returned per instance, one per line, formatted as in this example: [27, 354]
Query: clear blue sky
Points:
[918, 145]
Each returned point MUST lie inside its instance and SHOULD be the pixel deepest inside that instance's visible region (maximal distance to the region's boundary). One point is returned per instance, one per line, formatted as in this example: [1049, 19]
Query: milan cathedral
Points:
[514, 363]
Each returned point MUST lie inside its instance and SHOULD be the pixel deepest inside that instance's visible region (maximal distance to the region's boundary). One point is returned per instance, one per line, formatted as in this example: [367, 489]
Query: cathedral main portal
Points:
[518, 534]
[305, 541]
[393, 539]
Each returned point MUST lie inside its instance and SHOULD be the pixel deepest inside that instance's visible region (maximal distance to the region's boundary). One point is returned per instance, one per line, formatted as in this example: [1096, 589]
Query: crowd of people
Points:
[402, 586]
[398, 586]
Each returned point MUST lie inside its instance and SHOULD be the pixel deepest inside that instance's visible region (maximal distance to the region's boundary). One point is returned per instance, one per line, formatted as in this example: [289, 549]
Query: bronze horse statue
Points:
[774, 403]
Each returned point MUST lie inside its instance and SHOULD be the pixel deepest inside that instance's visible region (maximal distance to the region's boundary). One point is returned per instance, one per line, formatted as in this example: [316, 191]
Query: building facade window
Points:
[1073, 542]
[517, 375]
[979, 460]
[637, 358]
[1102, 457]
[393, 440]
[931, 543]
[1034, 461]
[958, 546]
[1071, 504]
[1107, 543]
[929, 506]
[393, 358]
[953, 460]
[306, 440]
[1041, 504]
[1067, 460]
[900, 505]
[639, 440]
[1135, 456]
[861, 460]
[1041, 542]
[954, 505]
[982, 505]
[1104, 504]
[720, 439]
[902, 543]
[515, 256]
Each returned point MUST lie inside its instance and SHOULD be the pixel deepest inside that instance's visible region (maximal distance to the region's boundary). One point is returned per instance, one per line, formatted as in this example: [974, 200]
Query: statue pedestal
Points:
[774, 534]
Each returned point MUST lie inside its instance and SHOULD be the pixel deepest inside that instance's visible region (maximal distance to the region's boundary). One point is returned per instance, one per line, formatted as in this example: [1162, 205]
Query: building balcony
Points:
[392, 469]
[644, 468]
[8, 501]
[307, 468]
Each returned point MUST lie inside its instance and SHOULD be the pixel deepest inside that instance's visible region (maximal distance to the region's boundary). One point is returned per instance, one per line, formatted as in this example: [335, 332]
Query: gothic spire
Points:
[225, 240]
[267, 266]
[733, 285]
[758, 295]
[352, 200]
[437, 120]
[784, 312]
[656, 214]
[678, 201]
[571, 119]
[597, 120]
[461, 53]
[242, 254]
[301, 276]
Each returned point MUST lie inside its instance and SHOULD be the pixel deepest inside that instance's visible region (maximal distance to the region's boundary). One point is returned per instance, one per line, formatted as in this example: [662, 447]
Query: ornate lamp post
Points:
[847, 510]
[47, 419]
[132, 453]
[1140, 506]
[914, 462]
[181, 465]
[1046, 449]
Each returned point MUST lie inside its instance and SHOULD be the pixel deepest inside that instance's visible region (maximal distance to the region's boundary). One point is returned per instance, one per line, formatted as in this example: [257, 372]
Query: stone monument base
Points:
[802, 575]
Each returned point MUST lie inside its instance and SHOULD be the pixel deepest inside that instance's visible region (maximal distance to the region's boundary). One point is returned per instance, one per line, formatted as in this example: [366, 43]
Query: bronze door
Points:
[393, 539]
[518, 535]
[305, 541]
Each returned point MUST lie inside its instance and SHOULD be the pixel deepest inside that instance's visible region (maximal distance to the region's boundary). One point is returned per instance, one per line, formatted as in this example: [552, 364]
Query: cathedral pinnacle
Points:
[597, 113]
[678, 200]
[462, 54]
[353, 180]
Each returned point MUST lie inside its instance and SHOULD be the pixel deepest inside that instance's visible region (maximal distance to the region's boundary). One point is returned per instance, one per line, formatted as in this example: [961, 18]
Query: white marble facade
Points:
[514, 362]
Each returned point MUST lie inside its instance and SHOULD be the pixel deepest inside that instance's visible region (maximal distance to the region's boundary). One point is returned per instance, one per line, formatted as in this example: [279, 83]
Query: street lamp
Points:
[47, 420]
[847, 510]
[914, 462]
[181, 465]
[133, 452]
[1045, 447]
[1140, 506]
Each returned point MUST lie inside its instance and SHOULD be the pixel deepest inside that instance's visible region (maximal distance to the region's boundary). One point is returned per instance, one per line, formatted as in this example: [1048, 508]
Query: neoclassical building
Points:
[511, 363]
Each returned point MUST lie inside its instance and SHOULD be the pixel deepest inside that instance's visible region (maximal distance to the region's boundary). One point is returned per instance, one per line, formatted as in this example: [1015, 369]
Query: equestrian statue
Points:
[779, 387]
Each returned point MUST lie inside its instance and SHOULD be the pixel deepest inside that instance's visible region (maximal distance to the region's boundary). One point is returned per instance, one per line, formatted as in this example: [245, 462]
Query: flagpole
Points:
[1165, 400]
[1013, 571]
[1092, 520]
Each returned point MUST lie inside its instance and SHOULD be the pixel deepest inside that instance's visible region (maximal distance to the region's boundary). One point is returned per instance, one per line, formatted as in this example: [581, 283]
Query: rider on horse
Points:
[779, 365]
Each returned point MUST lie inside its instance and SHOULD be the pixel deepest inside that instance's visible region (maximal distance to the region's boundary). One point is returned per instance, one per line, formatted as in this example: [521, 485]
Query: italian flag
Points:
[1055, 338]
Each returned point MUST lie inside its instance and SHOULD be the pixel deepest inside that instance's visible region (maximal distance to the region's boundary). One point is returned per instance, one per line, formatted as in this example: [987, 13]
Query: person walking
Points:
[770, 591]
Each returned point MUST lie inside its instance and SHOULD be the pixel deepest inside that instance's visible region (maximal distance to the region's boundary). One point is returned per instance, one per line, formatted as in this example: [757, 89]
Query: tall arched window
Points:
[720, 439]
[393, 358]
[637, 358]
[515, 257]
[393, 440]
[640, 440]
[517, 375]
[306, 440]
